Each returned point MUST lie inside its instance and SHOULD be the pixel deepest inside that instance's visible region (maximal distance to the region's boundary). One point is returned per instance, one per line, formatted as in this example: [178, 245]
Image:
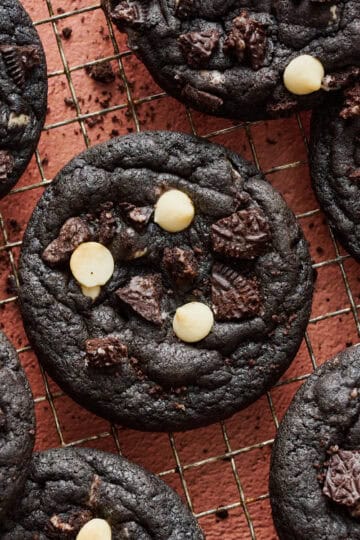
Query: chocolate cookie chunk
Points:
[109, 337]
[335, 165]
[23, 90]
[228, 58]
[17, 425]
[66, 489]
[314, 479]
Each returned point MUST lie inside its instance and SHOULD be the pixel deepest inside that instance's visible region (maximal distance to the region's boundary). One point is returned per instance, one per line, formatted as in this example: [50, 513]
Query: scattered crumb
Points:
[66, 32]
[101, 72]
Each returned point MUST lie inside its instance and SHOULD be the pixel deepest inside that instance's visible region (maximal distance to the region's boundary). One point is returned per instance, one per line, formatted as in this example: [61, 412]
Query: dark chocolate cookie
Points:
[243, 256]
[68, 488]
[23, 91]
[335, 165]
[228, 57]
[314, 479]
[17, 425]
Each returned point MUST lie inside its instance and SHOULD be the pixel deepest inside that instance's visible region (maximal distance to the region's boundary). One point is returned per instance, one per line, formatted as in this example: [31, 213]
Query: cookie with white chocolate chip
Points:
[335, 165]
[17, 426]
[86, 494]
[23, 91]
[314, 474]
[248, 59]
[200, 299]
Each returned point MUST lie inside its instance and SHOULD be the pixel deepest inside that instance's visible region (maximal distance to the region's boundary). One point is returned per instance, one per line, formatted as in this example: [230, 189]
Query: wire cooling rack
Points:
[220, 471]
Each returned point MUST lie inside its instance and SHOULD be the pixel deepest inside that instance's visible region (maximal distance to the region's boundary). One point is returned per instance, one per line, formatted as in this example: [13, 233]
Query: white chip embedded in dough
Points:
[304, 75]
[92, 264]
[174, 211]
[193, 322]
[95, 529]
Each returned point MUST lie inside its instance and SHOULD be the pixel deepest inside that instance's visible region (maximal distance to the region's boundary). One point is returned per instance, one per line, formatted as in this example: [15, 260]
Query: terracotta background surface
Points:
[221, 471]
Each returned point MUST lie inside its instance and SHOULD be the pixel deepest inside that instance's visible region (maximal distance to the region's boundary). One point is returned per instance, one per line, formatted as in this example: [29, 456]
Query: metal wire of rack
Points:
[232, 453]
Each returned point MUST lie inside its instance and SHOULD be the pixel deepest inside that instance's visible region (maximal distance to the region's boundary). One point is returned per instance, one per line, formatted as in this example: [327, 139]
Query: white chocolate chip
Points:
[95, 529]
[139, 253]
[92, 264]
[18, 120]
[193, 322]
[174, 211]
[304, 75]
[91, 292]
[333, 12]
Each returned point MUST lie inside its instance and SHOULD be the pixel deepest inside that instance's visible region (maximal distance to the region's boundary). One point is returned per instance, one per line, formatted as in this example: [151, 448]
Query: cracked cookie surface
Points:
[23, 89]
[320, 427]
[17, 425]
[67, 488]
[244, 256]
[335, 166]
[227, 58]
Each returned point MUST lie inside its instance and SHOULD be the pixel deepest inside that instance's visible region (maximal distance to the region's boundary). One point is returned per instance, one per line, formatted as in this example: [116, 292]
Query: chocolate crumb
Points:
[102, 72]
[66, 32]
[222, 513]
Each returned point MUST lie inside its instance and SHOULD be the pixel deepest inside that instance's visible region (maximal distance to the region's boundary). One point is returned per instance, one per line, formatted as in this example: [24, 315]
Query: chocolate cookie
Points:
[17, 425]
[335, 165]
[112, 342]
[66, 489]
[23, 91]
[229, 57]
[314, 479]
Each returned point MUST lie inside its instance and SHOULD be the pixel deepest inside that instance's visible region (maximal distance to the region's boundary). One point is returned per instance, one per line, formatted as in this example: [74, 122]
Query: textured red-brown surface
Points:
[223, 466]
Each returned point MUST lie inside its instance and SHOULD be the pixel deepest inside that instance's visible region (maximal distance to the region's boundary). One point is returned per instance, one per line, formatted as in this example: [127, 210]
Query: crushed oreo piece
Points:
[233, 295]
[73, 233]
[244, 234]
[107, 226]
[126, 12]
[352, 103]
[184, 8]
[201, 98]
[19, 60]
[137, 216]
[105, 352]
[69, 525]
[143, 294]
[102, 72]
[247, 40]
[354, 175]
[2, 420]
[342, 480]
[6, 165]
[198, 47]
[342, 79]
[181, 264]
